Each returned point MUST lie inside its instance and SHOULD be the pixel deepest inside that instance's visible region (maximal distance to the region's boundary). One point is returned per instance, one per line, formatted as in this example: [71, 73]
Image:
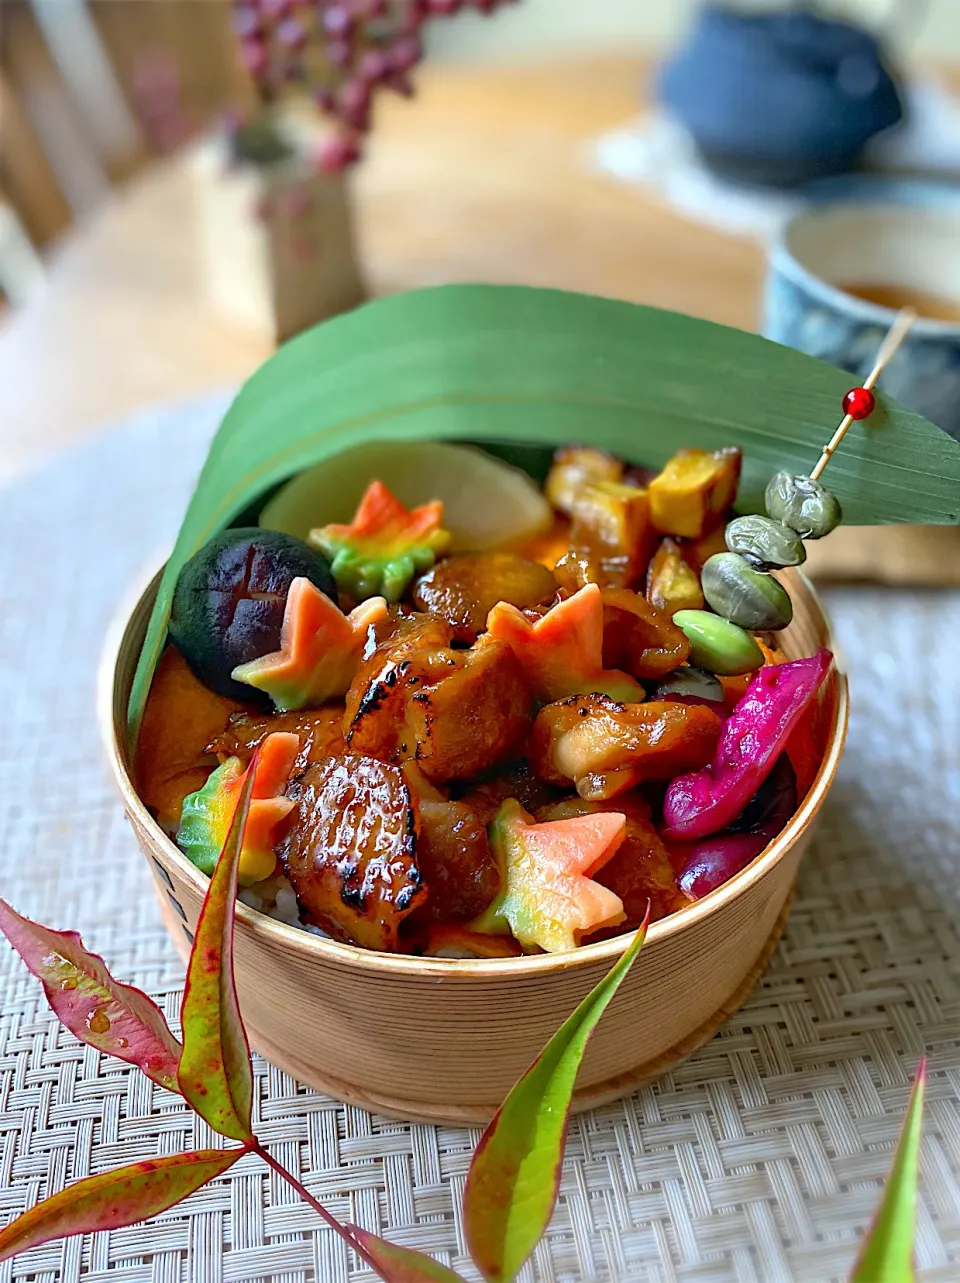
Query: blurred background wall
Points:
[545, 27]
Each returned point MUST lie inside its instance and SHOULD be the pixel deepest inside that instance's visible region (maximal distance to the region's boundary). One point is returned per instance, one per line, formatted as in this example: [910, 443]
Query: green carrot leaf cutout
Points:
[86, 999]
[887, 1253]
[114, 1199]
[515, 1174]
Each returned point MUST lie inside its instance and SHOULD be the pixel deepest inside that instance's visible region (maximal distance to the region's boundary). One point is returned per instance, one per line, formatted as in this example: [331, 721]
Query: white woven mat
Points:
[759, 1159]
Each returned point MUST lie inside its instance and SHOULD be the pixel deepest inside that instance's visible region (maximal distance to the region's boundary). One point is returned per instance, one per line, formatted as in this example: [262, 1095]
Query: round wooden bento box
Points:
[443, 1041]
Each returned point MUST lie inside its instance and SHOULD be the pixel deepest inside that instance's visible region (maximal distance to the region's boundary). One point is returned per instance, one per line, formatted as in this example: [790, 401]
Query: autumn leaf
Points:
[100, 1011]
[401, 1264]
[215, 1074]
[113, 1199]
[887, 1253]
[515, 1174]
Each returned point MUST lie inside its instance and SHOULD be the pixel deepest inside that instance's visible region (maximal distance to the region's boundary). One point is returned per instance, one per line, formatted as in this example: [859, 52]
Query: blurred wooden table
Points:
[487, 176]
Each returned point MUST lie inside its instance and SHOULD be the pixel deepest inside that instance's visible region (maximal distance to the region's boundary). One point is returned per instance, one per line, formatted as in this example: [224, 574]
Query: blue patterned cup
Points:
[896, 235]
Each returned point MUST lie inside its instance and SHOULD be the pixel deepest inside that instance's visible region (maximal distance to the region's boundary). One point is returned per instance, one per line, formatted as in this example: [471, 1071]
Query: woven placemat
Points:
[758, 1159]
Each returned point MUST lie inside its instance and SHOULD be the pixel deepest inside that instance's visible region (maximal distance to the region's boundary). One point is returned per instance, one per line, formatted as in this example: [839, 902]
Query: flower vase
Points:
[275, 242]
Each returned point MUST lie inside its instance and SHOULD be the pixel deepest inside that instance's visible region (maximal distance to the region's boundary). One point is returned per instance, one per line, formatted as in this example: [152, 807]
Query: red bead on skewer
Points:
[859, 403]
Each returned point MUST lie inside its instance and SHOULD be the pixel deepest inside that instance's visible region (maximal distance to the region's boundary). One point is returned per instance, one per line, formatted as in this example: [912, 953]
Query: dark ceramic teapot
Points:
[779, 98]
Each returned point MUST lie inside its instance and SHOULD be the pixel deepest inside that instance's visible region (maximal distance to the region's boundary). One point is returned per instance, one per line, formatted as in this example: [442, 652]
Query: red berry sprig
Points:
[343, 52]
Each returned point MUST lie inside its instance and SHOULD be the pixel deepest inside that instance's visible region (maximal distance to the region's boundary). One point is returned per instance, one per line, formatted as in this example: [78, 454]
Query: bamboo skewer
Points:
[895, 336]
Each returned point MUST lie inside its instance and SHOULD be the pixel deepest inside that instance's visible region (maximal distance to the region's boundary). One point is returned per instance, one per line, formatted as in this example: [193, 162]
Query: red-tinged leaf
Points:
[515, 1174]
[887, 1253]
[97, 1009]
[215, 1074]
[117, 1198]
[402, 1264]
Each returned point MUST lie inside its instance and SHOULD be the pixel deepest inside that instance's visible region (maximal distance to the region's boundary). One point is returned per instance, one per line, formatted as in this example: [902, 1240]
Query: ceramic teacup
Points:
[903, 240]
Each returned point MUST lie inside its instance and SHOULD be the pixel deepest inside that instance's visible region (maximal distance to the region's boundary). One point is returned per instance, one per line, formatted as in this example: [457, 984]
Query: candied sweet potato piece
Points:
[463, 590]
[457, 712]
[672, 584]
[639, 638]
[547, 546]
[318, 729]
[611, 539]
[697, 552]
[606, 748]
[640, 870]
[180, 718]
[349, 850]
[574, 467]
[694, 490]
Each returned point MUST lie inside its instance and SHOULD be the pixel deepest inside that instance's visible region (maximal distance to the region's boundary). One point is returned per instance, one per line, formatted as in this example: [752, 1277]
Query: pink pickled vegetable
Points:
[715, 860]
[753, 737]
[773, 803]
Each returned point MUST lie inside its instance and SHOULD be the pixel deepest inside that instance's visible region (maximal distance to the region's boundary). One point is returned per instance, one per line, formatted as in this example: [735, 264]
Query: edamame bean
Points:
[717, 645]
[744, 595]
[803, 504]
[765, 544]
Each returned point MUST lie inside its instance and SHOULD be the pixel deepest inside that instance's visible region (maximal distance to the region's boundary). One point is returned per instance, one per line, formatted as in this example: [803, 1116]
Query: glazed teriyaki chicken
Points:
[484, 753]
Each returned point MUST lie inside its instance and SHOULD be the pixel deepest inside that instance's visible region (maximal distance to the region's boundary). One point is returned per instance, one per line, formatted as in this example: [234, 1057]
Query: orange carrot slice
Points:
[562, 653]
[384, 545]
[320, 649]
[207, 813]
[547, 897]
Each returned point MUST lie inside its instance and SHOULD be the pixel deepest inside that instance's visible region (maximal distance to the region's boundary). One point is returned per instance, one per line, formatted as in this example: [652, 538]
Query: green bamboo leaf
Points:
[401, 1264]
[117, 1198]
[100, 1011]
[215, 1076]
[515, 1174]
[508, 366]
[887, 1253]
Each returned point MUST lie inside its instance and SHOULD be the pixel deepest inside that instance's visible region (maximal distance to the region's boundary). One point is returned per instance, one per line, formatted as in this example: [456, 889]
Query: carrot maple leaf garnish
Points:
[320, 649]
[384, 545]
[208, 813]
[562, 653]
[547, 897]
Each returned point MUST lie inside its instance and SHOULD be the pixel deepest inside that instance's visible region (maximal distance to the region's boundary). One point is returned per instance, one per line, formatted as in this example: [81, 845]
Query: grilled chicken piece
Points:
[463, 590]
[607, 748]
[517, 782]
[349, 850]
[456, 861]
[454, 856]
[319, 729]
[638, 638]
[640, 869]
[456, 712]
